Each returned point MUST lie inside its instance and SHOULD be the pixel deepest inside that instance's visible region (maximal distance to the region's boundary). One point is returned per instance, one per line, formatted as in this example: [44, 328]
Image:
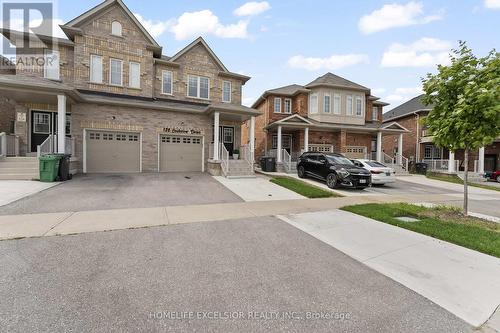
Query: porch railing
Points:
[387, 159]
[49, 146]
[287, 160]
[247, 155]
[69, 145]
[3, 145]
[440, 165]
[224, 156]
[402, 161]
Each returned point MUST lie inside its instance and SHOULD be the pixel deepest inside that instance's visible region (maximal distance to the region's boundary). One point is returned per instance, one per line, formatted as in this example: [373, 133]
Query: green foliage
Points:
[465, 97]
[302, 188]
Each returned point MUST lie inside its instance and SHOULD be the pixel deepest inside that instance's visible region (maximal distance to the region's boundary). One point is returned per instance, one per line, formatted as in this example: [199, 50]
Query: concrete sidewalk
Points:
[13, 190]
[473, 191]
[462, 281]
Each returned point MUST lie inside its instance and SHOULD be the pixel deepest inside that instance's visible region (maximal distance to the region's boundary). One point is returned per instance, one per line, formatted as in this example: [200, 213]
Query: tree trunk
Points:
[466, 176]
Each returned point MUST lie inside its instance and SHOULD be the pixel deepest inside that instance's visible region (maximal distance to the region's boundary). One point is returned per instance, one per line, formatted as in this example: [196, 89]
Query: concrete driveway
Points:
[96, 192]
[247, 275]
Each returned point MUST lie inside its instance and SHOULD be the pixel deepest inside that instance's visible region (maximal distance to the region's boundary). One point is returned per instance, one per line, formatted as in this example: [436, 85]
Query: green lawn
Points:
[440, 222]
[457, 180]
[303, 188]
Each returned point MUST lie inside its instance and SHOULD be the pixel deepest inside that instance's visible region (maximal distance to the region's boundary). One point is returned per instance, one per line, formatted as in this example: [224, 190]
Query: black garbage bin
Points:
[64, 174]
[421, 168]
[268, 164]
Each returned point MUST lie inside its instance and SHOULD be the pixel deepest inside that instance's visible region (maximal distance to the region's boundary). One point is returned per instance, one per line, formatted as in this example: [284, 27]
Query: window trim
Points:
[375, 110]
[284, 106]
[138, 74]
[121, 28]
[338, 110]
[198, 87]
[316, 109]
[329, 103]
[280, 106]
[46, 53]
[121, 72]
[351, 111]
[163, 82]
[230, 91]
[91, 78]
[358, 98]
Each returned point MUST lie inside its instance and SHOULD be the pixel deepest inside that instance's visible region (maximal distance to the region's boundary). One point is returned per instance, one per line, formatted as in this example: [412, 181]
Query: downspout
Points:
[417, 146]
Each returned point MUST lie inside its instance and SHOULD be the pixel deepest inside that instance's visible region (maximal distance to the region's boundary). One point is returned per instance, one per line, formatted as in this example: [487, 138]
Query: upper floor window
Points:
[226, 91]
[116, 72]
[375, 113]
[359, 106]
[198, 87]
[314, 104]
[277, 105]
[134, 78]
[116, 28]
[288, 105]
[166, 83]
[336, 103]
[349, 105]
[326, 104]
[95, 68]
[51, 64]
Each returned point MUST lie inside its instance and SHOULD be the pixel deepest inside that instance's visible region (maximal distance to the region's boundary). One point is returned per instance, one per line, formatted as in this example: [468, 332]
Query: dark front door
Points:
[227, 135]
[43, 124]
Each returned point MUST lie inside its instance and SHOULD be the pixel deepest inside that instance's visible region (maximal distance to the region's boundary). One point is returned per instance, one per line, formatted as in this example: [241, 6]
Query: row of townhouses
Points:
[108, 96]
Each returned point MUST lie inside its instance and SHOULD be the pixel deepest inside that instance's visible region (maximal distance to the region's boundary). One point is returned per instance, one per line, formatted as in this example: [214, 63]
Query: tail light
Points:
[375, 172]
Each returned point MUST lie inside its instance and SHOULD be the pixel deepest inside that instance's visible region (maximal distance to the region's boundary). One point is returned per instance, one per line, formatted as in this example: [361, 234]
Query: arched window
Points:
[116, 28]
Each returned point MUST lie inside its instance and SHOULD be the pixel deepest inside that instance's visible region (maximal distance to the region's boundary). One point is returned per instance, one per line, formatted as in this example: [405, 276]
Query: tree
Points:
[465, 96]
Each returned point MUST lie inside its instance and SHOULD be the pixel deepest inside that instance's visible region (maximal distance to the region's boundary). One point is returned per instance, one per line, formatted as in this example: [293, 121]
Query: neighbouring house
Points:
[330, 114]
[419, 147]
[108, 96]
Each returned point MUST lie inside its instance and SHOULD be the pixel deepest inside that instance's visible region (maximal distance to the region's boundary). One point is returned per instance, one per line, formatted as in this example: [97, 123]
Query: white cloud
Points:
[155, 28]
[252, 8]
[333, 62]
[425, 52]
[492, 4]
[409, 91]
[394, 98]
[378, 91]
[395, 15]
[192, 24]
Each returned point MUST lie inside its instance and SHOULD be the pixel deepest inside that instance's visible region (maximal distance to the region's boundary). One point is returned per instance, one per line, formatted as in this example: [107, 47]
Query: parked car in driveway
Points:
[381, 174]
[495, 175]
[335, 169]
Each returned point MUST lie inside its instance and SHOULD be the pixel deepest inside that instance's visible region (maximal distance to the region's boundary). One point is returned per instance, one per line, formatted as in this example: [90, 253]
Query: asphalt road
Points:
[265, 273]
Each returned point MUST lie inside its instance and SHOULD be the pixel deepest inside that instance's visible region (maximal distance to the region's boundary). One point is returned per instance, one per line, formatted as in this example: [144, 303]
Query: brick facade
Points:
[390, 142]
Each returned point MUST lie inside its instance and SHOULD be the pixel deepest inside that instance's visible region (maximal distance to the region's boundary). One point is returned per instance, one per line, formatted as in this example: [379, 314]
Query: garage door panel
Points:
[109, 152]
[181, 154]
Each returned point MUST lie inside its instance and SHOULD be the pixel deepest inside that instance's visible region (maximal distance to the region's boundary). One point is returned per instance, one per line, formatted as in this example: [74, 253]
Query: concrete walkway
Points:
[13, 190]
[462, 281]
[257, 189]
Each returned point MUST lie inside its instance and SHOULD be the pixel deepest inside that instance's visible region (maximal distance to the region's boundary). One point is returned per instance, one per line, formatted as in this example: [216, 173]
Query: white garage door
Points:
[181, 153]
[113, 152]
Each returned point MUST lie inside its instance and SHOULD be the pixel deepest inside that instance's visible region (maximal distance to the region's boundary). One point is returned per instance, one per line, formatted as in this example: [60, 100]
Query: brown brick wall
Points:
[390, 142]
[8, 114]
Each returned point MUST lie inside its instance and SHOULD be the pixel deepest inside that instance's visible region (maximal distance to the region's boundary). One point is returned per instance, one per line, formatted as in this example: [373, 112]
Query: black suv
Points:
[335, 169]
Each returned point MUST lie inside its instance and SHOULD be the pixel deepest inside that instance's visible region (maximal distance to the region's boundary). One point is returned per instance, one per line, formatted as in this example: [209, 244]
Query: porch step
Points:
[18, 176]
[19, 168]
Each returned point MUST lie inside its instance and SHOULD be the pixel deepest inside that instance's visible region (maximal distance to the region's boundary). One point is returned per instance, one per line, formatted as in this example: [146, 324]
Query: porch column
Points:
[306, 139]
[480, 166]
[400, 149]
[278, 148]
[61, 124]
[252, 139]
[451, 162]
[216, 136]
[379, 147]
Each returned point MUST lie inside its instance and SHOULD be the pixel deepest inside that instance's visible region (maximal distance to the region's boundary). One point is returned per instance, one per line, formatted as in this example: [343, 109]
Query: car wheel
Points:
[331, 180]
[301, 172]
[498, 179]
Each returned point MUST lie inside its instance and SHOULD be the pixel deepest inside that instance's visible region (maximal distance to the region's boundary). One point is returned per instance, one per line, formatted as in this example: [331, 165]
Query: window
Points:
[375, 113]
[431, 152]
[95, 68]
[326, 104]
[167, 83]
[51, 64]
[198, 87]
[336, 103]
[359, 106]
[134, 78]
[226, 91]
[116, 28]
[41, 123]
[288, 105]
[277, 105]
[349, 105]
[115, 72]
[314, 104]
[121, 137]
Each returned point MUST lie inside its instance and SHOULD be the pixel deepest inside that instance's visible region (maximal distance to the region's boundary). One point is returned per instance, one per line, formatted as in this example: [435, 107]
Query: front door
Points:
[490, 162]
[43, 124]
[227, 135]
[286, 142]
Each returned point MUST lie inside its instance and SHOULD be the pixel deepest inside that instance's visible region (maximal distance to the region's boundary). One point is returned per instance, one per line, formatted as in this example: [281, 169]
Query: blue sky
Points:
[385, 45]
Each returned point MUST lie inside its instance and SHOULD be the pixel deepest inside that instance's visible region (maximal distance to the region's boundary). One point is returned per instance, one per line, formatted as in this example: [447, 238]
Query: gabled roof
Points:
[290, 90]
[413, 105]
[332, 80]
[394, 126]
[294, 118]
[72, 26]
[201, 41]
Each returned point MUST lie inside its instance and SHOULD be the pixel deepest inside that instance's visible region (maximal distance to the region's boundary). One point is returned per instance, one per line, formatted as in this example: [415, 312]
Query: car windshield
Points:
[339, 159]
[375, 164]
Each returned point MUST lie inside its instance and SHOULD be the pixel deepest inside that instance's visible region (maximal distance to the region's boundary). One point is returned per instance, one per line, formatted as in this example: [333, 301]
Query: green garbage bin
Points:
[49, 167]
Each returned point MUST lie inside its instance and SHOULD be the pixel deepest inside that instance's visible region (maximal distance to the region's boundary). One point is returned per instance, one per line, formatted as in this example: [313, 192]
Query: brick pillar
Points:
[343, 141]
